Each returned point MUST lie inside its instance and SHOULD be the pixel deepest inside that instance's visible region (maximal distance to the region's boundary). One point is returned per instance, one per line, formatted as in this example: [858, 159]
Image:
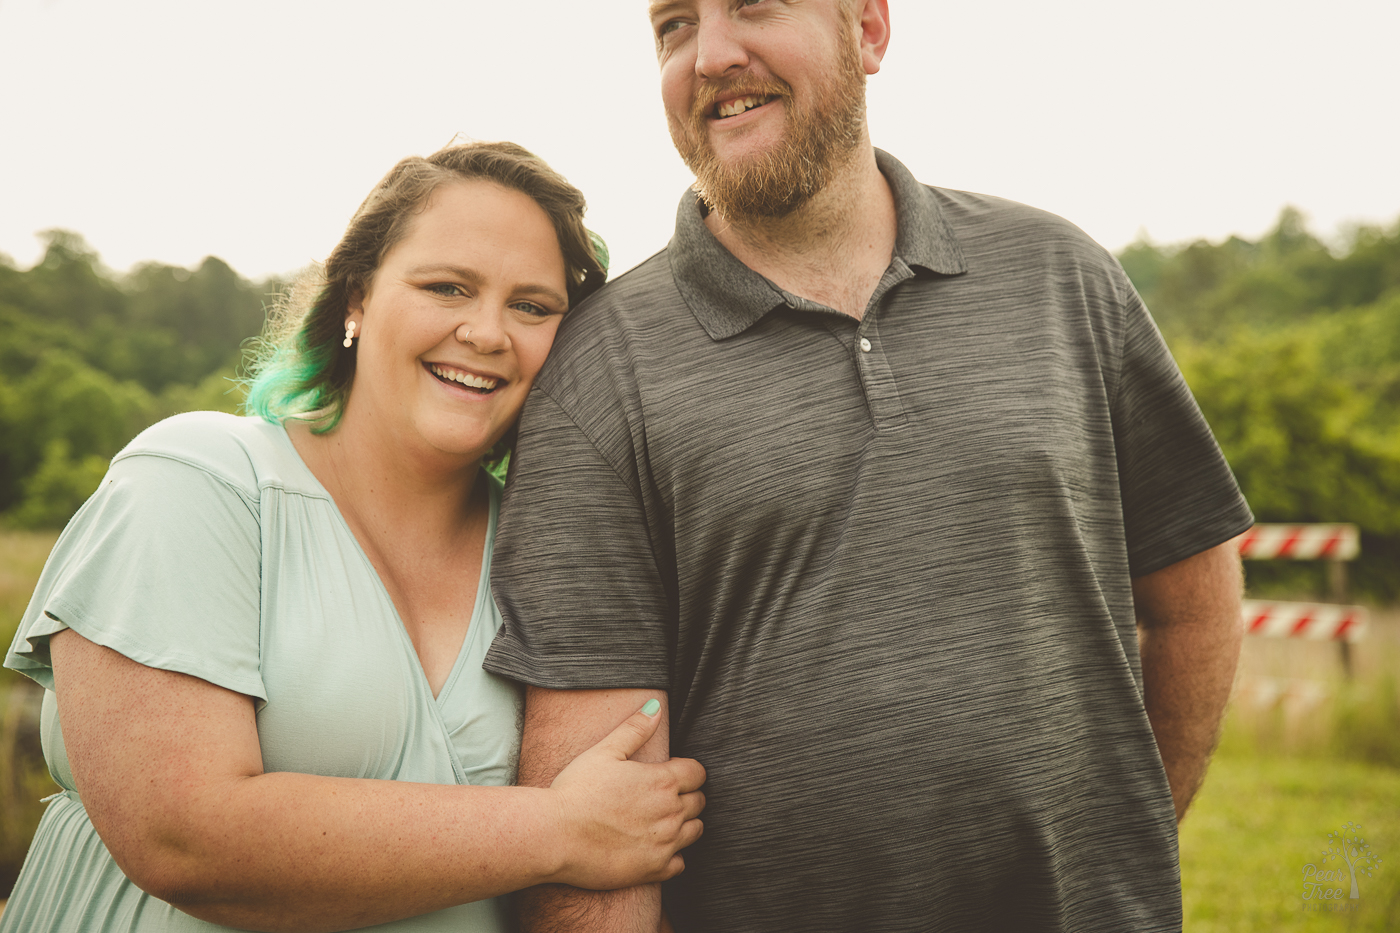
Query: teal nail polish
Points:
[651, 707]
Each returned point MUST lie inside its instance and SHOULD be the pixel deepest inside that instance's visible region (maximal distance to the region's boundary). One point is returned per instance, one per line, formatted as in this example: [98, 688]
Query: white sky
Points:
[170, 129]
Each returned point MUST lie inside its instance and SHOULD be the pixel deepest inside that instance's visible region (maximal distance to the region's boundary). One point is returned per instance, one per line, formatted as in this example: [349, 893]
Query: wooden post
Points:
[1337, 584]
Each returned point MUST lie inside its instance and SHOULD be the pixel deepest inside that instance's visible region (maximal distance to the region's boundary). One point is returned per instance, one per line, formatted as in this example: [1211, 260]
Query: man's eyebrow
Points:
[657, 8]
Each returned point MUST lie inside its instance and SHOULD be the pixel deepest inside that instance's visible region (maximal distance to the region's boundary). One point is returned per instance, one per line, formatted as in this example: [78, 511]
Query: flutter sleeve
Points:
[163, 565]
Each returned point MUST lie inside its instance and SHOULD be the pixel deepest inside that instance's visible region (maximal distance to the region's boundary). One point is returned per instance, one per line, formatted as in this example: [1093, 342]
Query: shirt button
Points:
[864, 345]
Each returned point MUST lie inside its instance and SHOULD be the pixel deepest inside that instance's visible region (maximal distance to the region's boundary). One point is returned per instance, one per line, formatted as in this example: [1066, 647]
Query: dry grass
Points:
[24, 779]
[1293, 698]
[22, 556]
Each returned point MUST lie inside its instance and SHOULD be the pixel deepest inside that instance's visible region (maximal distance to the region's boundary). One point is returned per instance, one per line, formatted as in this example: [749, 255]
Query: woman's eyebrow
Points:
[440, 268]
[544, 291]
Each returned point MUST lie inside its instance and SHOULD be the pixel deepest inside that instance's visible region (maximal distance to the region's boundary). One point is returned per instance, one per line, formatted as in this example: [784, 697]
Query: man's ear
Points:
[874, 24]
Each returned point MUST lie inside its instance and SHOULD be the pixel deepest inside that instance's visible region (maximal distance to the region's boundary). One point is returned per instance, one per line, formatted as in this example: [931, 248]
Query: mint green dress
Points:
[210, 549]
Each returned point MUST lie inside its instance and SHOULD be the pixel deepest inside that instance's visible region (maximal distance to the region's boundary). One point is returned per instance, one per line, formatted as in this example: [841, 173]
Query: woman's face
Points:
[457, 321]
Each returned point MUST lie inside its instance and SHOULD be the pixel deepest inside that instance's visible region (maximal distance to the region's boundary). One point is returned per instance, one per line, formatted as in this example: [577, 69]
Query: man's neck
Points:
[833, 249]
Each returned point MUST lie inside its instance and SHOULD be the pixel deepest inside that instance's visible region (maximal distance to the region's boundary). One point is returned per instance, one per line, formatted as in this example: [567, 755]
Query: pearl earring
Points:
[349, 333]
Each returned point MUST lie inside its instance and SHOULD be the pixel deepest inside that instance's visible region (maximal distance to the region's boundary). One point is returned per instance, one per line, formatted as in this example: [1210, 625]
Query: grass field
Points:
[1259, 821]
[1305, 751]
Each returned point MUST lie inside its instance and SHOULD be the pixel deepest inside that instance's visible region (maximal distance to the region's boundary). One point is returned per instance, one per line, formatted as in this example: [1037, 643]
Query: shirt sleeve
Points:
[162, 565]
[574, 571]
[1179, 496]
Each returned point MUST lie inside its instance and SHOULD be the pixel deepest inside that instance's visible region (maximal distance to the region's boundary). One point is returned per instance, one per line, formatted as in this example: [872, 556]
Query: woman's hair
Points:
[300, 368]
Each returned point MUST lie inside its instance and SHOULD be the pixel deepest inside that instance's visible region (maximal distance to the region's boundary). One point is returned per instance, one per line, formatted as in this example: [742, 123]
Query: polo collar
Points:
[727, 297]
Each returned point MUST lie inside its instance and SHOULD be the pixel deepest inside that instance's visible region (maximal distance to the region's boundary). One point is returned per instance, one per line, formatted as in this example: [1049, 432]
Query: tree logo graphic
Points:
[1343, 848]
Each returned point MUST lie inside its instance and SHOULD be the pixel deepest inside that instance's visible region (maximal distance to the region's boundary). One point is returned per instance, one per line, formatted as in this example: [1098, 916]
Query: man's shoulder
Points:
[985, 223]
[635, 319]
[638, 295]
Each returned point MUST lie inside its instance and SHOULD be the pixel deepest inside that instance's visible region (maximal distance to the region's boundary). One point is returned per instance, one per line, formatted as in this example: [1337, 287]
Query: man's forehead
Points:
[657, 8]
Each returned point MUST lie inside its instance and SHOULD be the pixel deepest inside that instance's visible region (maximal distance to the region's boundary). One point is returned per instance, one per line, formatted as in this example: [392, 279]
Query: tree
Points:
[57, 488]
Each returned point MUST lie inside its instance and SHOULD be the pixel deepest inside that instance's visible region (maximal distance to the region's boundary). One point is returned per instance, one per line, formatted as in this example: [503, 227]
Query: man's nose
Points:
[719, 49]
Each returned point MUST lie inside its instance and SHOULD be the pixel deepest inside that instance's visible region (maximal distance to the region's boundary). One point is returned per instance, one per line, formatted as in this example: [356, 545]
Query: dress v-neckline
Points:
[483, 581]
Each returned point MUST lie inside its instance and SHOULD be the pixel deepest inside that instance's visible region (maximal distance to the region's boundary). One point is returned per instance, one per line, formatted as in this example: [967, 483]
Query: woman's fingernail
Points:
[650, 707]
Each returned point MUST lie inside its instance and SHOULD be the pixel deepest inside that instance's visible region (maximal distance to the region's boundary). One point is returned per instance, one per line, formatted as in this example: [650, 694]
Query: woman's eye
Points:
[532, 309]
[446, 289]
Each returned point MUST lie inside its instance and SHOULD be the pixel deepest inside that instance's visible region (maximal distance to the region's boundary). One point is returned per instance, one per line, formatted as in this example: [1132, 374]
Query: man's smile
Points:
[732, 108]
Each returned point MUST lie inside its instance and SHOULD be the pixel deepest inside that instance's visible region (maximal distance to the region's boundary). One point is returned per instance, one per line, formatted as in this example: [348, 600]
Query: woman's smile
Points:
[450, 375]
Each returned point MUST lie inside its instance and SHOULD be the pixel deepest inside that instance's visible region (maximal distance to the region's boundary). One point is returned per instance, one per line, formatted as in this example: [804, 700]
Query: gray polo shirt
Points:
[881, 566]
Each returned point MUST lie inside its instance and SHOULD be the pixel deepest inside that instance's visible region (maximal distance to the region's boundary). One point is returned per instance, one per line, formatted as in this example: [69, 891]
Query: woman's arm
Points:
[169, 769]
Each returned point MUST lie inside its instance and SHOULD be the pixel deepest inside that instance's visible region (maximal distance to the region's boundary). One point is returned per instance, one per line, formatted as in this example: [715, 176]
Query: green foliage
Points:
[1293, 352]
[89, 359]
[54, 491]
[1297, 435]
[1205, 291]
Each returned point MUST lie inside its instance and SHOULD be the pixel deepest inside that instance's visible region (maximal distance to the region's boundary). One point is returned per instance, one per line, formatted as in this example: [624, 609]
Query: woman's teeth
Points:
[466, 379]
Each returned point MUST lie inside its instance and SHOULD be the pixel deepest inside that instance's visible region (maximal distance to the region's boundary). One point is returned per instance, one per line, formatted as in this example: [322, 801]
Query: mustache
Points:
[742, 86]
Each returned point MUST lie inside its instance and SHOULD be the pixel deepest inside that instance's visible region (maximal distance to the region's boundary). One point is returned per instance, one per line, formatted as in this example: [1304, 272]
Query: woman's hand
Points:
[625, 821]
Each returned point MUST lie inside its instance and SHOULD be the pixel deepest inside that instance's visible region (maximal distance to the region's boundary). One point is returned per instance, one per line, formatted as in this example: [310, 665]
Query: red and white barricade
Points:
[1335, 544]
[1300, 542]
[1315, 621]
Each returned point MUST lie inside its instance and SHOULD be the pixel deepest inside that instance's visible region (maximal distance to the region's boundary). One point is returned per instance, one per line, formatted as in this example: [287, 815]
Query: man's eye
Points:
[670, 27]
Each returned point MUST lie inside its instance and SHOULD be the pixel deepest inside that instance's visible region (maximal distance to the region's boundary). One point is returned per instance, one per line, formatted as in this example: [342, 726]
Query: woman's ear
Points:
[355, 310]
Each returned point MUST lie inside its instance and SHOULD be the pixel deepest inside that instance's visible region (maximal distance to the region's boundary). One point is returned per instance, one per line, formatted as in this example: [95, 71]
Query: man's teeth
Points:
[466, 379]
[732, 108]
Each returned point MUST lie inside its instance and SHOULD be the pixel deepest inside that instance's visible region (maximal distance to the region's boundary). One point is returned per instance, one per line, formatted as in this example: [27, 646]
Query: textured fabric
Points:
[210, 549]
[888, 590]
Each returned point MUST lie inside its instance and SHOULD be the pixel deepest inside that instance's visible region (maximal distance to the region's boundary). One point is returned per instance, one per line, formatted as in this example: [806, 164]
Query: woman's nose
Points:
[483, 330]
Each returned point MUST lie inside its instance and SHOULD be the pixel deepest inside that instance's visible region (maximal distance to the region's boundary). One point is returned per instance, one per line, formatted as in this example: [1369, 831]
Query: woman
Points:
[263, 637]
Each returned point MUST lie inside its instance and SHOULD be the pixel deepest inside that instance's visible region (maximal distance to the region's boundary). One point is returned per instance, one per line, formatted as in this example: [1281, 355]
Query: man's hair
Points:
[300, 368]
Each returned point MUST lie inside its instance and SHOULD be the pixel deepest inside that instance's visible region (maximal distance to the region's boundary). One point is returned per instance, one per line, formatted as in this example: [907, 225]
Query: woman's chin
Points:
[465, 442]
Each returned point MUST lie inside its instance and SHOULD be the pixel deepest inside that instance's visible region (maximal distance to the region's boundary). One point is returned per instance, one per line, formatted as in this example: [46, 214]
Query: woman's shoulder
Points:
[246, 452]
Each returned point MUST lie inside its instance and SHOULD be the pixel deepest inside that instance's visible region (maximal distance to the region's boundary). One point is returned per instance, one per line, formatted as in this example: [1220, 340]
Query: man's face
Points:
[765, 99]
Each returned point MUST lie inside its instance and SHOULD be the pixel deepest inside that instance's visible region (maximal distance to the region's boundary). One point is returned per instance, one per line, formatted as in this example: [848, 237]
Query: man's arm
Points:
[559, 725]
[1189, 633]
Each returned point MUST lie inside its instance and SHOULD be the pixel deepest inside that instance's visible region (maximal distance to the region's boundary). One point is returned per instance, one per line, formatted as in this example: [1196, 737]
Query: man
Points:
[869, 482]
